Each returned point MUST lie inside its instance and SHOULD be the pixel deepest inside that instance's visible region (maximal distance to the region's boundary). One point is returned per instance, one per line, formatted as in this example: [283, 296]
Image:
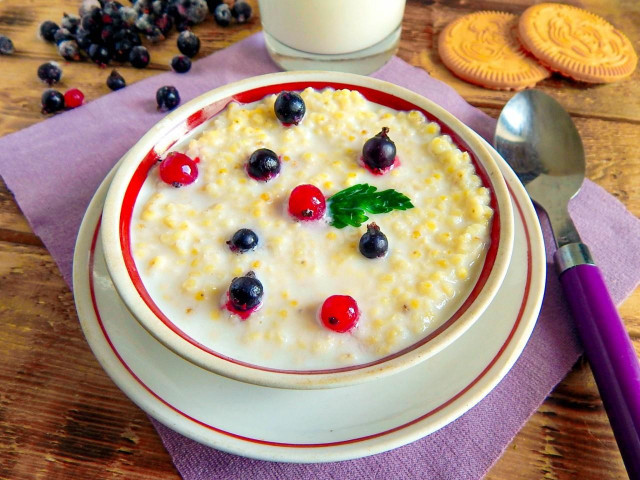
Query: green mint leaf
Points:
[348, 206]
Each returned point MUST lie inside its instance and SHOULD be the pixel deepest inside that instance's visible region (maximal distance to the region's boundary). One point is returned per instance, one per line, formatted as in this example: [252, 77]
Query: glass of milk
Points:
[357, 36]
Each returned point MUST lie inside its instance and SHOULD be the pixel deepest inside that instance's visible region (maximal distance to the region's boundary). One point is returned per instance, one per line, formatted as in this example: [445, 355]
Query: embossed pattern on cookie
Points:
[576, 43]
[483, 48]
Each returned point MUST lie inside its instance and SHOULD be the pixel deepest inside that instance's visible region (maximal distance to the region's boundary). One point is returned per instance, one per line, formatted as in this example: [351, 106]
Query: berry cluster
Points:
[105, 30]
[223, 13]
[52, 100]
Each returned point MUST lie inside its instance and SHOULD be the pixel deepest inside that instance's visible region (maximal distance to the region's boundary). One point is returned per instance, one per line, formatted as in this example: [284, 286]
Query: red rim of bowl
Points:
[204, 114]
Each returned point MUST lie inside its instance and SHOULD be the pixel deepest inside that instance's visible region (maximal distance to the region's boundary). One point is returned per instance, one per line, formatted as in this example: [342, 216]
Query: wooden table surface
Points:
[62, 420]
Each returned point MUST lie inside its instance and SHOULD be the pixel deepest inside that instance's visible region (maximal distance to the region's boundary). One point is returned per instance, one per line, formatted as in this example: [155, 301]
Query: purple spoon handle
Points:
[611, 355]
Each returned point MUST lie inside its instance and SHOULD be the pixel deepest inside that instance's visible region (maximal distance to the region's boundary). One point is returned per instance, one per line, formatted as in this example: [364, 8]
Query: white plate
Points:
[311, 425]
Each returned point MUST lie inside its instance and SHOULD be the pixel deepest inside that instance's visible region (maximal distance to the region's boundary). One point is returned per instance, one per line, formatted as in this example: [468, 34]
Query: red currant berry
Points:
[178, 169]
[73, 98]
[307, 202]
[339, 313]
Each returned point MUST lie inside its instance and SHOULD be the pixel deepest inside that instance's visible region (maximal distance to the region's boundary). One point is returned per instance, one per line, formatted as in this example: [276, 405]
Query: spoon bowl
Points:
[542, 145]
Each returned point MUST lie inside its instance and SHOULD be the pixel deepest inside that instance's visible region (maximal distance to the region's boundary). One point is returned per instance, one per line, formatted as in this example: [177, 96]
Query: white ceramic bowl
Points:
[181, 124]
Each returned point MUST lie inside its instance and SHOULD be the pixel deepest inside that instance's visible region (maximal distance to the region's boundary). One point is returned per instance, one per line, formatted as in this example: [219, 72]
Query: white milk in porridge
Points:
[435, 250]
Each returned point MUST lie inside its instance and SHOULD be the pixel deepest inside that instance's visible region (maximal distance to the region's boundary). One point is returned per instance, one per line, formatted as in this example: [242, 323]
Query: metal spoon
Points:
[538, 139]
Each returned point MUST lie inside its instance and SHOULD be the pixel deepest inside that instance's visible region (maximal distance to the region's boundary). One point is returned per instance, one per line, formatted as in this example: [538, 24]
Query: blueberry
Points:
[128, 16]
[84, 39]
[6, 45]
[181, 64]
[49, 73]
[374, 243]
[165, 23]
[243, 241]
[144, 24]
[52, 101]
[48, 29]
[139, 57]
[263, 165]
[158, 7]
[121, 50]
[289, 108]
[167, 98]
[379, 152]
[99, 54]
[111, 13]
[69, 50]
[188, 43]
[70, 22]
[155, 35]
[241, 11]
[222, 15]
[245, 292]
[115, 81]
[107, 35]
[62, 34]
[92, 21]
[195, 11]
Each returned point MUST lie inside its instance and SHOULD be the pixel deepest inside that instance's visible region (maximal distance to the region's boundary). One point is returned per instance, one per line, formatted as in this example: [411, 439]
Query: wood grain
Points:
[61, 417]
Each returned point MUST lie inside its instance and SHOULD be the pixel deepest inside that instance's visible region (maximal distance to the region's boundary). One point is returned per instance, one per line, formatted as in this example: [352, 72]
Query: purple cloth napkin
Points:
[54, 167]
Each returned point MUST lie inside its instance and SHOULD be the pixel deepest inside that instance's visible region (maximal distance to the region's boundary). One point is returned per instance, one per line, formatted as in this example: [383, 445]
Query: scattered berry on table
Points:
[6, 45]
[289, 108]
[49, 73]
[62, 34]
[243, 241]
[188, 43]
[70, 22]
[241, 11]
[263, 165]
[52, 101]
[69, 50]
[374, 243]
[48, 29]
[167, 97]
[339, 313]
[194, 11]
[139, 57]
[73, 98]
[245, 293]
[181, 63]
[115, 81]
[379, 152]
[307, 202]
[99, 54]
[178, 169]
[222, 15]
